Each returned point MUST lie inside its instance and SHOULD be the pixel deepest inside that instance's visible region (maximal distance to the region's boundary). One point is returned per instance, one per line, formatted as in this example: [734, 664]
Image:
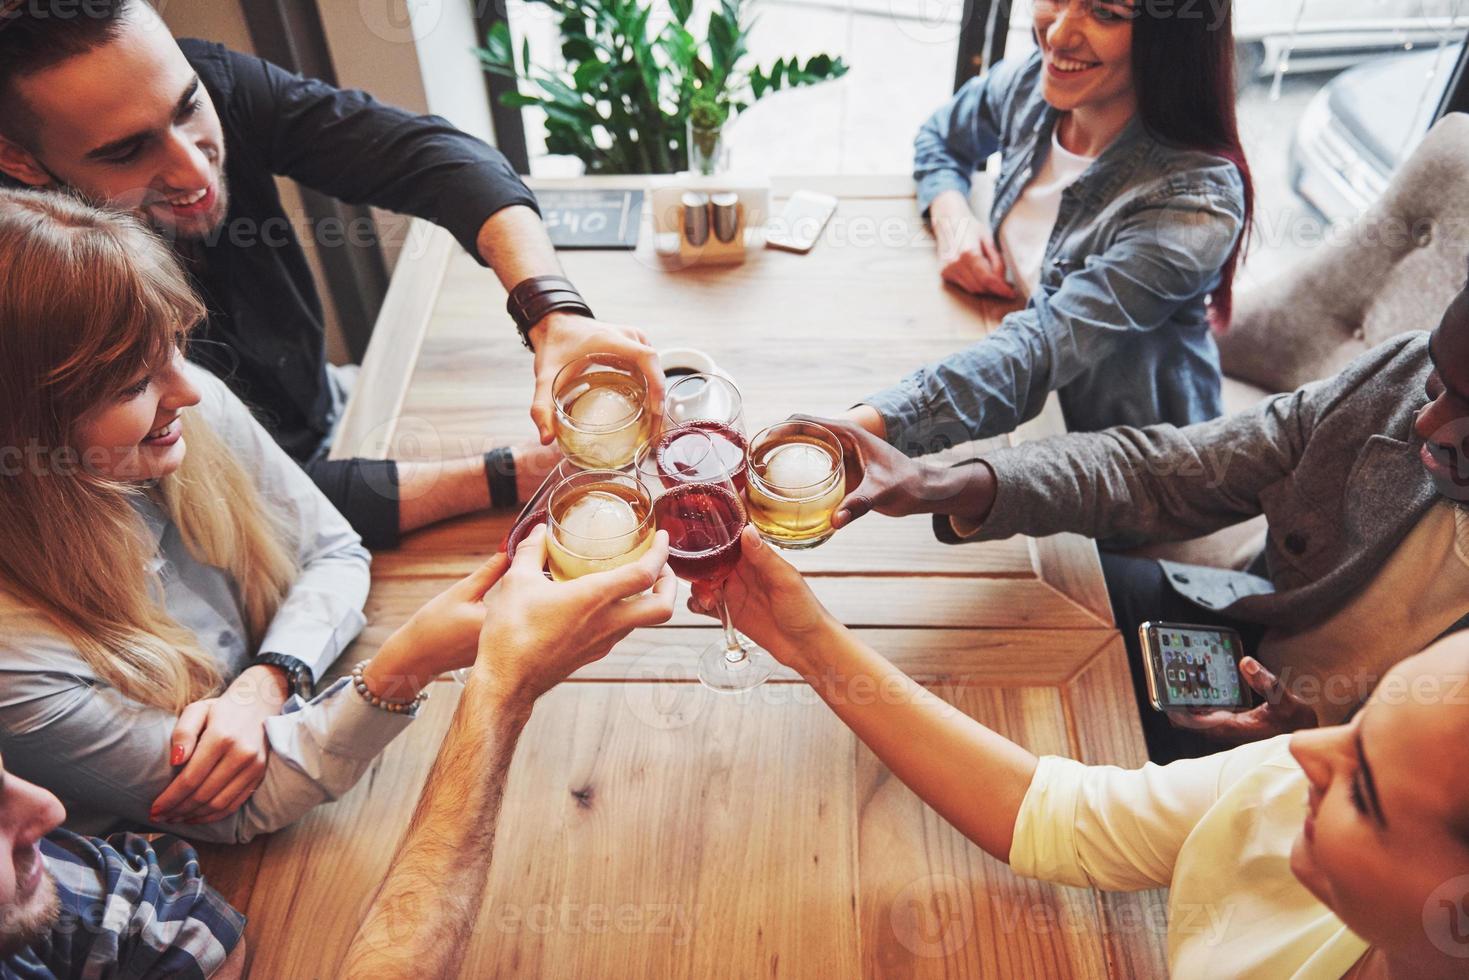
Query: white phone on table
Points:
[801, 223]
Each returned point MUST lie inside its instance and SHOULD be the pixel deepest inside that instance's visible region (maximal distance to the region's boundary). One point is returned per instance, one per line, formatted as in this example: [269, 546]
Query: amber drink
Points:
[597, 520]
[794, 482]
[602, 416]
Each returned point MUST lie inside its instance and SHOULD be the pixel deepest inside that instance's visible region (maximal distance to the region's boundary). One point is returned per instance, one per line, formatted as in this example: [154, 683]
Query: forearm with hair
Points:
[421, 918]
[515, 244]
[436, 491]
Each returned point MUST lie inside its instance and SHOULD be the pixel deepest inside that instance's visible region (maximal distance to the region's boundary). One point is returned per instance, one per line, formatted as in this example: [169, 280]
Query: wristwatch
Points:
[298, 676]
[533, 299]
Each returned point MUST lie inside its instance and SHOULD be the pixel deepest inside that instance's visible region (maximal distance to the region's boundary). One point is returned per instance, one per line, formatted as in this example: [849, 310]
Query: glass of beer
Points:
[597, 520]
[795, 481]
[537, 511]
[602, 416]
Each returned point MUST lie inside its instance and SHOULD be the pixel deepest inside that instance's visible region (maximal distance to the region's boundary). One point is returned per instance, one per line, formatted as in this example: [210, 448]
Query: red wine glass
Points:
[704, 398]
[707, 403]
[703, 513]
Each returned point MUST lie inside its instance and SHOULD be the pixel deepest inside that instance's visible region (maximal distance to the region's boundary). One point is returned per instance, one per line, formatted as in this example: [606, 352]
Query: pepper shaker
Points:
[725, 209]
[695, 225]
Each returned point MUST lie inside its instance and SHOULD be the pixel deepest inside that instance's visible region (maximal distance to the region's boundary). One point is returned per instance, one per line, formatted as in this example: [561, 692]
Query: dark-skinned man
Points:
[1363, 479]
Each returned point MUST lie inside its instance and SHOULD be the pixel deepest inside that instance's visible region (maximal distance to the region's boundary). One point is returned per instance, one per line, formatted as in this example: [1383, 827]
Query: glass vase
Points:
[707, 150]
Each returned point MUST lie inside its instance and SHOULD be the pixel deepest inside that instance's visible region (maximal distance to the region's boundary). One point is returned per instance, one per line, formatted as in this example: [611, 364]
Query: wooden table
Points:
[653, 828]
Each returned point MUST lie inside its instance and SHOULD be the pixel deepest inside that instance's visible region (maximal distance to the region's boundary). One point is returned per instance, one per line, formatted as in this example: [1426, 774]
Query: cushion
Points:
[1391, 271]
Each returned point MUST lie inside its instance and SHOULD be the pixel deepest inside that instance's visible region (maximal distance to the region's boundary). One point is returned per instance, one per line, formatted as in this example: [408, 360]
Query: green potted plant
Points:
[629, 99]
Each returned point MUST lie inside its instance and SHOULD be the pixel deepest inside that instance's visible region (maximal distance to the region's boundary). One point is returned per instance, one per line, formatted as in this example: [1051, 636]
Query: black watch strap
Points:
[303, 681]
[533, 299]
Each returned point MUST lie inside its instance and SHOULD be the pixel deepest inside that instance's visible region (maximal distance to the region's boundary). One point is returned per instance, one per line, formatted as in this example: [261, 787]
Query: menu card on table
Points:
[604, 219]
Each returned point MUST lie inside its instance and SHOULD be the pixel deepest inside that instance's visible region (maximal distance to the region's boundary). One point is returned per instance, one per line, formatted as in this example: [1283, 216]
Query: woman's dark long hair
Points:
[1183, 74]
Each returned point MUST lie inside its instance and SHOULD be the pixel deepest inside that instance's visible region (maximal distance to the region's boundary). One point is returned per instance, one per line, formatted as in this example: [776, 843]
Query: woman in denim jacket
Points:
[1119, 210]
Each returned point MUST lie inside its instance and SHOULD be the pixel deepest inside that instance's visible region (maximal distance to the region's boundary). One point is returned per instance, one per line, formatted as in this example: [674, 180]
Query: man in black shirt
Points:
[96, 96]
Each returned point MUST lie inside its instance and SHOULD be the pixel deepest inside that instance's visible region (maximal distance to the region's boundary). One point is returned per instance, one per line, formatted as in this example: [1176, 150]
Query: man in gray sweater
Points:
[1363, 479]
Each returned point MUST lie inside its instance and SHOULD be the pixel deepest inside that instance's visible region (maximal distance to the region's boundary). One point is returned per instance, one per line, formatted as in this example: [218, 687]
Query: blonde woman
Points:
[1332, 852]
[168, 573]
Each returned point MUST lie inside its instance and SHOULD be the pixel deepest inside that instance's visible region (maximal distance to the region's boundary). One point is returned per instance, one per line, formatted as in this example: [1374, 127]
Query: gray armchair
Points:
[1394, 270]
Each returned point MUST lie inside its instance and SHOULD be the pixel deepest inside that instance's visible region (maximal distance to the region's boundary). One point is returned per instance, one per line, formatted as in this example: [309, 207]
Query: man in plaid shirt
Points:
[73, 906]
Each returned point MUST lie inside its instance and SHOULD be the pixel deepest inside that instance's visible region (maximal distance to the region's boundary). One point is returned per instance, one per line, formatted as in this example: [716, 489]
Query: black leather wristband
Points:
[302, 680]
[533, 299]
[500, 475]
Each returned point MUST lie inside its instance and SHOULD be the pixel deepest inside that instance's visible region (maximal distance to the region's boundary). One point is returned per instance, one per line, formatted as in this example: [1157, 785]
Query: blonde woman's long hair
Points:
[89, 300]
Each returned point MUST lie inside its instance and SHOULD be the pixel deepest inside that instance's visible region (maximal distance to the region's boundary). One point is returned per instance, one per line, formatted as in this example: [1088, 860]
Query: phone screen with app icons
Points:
[1196, 668]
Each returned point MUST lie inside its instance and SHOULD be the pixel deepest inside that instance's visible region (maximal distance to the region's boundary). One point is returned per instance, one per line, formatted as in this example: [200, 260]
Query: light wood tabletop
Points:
[655, 829]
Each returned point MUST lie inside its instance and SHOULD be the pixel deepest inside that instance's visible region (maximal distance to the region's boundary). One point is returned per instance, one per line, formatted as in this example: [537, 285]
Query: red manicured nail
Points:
[178, 756]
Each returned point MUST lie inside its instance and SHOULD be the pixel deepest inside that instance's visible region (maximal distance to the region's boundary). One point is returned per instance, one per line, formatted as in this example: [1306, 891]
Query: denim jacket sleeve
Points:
[961, 135]
[1166, 251]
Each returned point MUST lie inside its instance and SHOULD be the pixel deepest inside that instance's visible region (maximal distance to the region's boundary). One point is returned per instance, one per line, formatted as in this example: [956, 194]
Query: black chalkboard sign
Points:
[592, 218]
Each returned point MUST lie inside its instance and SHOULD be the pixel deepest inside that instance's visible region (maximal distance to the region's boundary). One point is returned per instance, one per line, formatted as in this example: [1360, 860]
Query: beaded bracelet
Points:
[396, 707]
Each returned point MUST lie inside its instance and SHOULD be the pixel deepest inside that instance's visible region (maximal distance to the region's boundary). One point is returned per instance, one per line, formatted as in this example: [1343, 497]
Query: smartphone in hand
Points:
[1193, 667]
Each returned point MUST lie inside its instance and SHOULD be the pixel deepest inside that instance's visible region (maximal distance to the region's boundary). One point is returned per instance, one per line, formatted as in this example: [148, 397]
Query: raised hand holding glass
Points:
[702, 512]
[796, 479]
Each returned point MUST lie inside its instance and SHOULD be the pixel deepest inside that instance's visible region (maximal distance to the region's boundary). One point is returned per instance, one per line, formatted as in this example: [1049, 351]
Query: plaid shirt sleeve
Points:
[130, 907]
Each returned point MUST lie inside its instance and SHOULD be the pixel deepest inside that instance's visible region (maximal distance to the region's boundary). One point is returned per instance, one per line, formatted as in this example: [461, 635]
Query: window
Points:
[1333, 94]
[901, 56]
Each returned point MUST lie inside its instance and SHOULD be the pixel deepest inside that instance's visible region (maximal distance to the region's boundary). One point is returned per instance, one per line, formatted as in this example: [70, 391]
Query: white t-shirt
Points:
[1027, 228]
[1217, 832]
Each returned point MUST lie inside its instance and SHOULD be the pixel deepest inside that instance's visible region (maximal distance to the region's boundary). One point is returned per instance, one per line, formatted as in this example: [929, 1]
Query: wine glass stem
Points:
[734, 650]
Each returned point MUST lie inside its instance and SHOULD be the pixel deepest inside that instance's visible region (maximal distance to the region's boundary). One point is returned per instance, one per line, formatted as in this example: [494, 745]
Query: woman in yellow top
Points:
[1334, 852]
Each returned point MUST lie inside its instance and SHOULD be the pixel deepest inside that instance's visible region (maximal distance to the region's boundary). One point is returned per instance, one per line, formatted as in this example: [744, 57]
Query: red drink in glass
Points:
[534, 511]
[703, 522]
[683, 459]
[521, 529]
